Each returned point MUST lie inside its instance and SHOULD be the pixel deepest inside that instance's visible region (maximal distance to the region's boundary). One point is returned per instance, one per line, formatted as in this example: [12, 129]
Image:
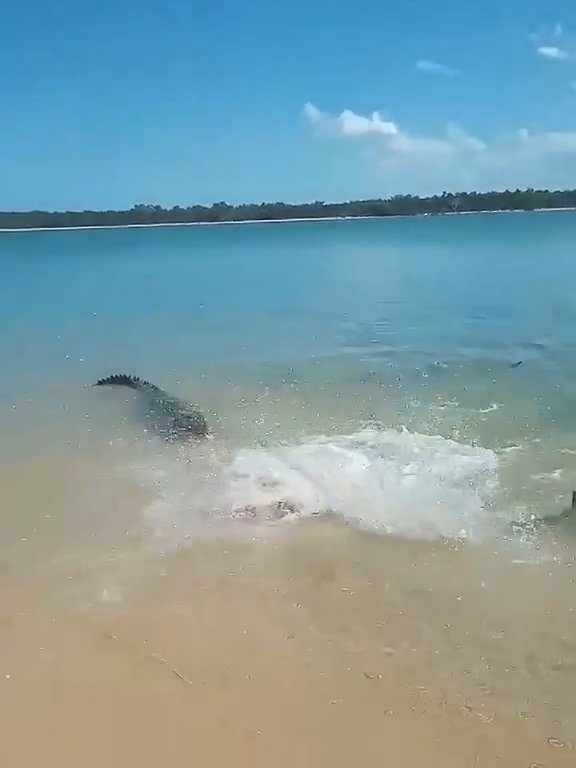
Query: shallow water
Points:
[372, 450]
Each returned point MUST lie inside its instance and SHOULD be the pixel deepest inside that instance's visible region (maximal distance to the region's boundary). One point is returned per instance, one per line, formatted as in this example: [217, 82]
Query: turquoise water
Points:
[361, 366]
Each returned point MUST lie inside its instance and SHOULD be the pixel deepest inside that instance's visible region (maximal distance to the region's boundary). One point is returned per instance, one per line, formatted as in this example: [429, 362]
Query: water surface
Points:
[362, 373]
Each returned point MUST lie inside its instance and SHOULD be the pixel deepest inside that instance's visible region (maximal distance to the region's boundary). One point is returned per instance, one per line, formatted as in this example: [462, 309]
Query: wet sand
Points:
[310, 644]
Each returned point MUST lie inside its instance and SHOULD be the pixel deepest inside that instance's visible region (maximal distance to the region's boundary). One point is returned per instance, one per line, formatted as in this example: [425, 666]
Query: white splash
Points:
[386, 480]
[555, 474]
[489, 408]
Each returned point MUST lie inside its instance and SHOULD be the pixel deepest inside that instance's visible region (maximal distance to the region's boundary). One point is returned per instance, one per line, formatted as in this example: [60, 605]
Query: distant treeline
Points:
[400, 205]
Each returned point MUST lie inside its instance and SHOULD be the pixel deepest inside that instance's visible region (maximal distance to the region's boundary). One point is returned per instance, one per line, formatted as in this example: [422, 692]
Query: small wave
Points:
[446, 405]
[554, 475]
[489, 408]
[388, 481]
[511, 449]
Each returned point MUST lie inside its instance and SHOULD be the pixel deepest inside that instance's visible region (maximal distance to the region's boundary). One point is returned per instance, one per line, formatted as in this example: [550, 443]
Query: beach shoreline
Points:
[298, 220]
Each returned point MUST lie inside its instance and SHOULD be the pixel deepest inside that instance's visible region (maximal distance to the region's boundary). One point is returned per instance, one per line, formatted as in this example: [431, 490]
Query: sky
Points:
[120, 102]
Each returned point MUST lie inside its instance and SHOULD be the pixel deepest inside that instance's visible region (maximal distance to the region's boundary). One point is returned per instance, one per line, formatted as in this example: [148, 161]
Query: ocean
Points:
[387, 484]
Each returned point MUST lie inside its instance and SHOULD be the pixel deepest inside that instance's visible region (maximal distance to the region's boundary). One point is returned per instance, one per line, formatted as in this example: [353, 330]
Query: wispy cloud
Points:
[554, 52]
[392, 140]
[454, 157]
[435, 68]
[555, 44]
[312, 114]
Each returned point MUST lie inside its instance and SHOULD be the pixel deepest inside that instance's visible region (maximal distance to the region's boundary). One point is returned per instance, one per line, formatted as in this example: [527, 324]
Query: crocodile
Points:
[172, 418]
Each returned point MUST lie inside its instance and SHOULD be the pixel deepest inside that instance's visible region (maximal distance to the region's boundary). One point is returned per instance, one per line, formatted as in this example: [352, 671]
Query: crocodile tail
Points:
[124, 380]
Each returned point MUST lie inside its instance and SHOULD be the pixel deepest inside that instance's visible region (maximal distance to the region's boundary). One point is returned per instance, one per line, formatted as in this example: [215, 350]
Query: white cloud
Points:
[433, 67]
[392, 140]
[454, 158]
[348, 123]
[554, 52]
[352, 124]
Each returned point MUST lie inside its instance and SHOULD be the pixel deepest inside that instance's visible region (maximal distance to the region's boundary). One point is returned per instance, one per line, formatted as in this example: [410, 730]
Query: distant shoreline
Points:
[290, 220]
[146, 215]
[192, 223]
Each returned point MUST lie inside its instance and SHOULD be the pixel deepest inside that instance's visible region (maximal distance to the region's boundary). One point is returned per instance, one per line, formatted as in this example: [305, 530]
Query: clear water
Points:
[357, 367]
[344, 539]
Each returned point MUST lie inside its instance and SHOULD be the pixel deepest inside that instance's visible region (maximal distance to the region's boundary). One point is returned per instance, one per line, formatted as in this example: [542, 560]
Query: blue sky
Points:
[124, 101]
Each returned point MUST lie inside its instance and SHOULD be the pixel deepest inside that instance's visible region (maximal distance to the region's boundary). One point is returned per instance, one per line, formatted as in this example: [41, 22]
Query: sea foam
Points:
[390, 481]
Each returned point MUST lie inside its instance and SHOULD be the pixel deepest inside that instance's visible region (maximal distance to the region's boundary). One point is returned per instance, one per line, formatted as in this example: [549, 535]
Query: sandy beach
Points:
[317, 646]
